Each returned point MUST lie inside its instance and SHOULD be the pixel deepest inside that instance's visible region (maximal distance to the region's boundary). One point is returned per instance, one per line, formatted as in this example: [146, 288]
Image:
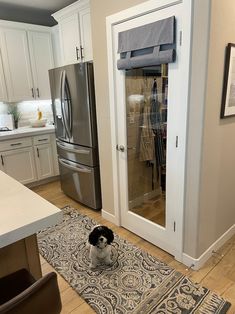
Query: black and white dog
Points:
[100, 250]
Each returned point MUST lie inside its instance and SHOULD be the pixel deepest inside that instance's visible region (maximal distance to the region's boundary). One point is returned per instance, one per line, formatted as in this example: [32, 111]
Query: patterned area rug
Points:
[136, 282]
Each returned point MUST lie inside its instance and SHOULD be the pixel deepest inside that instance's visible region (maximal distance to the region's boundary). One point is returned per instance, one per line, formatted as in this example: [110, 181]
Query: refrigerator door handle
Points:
[62, 94]
[67, 98]
[66, 164]
[73, 150]
[69, 103]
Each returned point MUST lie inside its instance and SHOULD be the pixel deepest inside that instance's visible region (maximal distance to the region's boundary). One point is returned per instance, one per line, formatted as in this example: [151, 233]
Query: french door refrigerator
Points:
[73, 104]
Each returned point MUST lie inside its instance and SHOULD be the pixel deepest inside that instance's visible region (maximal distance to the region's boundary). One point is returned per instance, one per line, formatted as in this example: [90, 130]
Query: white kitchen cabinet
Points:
[41, 55]
[3, 89]
[56, 47]
[26, 56]
[19, 164]
[43, 158]
[16, 64]
[70, 39]
[29, 159]
[85, 31]
[75, 32]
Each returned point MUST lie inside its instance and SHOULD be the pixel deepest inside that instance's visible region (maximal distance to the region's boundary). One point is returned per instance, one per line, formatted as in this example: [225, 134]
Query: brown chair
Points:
[20, 293]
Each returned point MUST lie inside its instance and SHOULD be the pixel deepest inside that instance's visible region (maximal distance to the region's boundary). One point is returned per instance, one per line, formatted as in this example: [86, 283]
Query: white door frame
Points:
[111, 21]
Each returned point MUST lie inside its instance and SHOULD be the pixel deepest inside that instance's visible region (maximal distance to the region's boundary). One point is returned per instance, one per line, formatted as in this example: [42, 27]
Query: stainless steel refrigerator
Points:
[73, 104]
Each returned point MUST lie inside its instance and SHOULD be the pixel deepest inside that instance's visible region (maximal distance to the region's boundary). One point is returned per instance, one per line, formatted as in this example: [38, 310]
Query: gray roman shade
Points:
[147, 45]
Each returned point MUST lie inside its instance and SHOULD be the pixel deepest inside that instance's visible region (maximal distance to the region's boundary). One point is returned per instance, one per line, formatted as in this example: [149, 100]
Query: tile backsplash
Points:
[28, 110]
[3, 108]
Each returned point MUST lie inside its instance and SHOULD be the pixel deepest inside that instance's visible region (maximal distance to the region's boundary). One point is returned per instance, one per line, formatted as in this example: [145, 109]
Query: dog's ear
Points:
[94, 236]
[109, 235]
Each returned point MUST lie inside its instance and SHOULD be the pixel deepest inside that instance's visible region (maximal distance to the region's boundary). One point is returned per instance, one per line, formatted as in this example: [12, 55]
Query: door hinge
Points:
[174, 226]
[176, 141]
[181, 34]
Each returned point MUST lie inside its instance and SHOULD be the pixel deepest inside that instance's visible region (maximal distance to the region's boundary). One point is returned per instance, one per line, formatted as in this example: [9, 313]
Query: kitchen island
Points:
[22, 214]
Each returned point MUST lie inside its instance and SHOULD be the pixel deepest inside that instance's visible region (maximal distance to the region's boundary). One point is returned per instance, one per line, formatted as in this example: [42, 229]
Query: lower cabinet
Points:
[43, 160]
[29, 159]
[19, 164]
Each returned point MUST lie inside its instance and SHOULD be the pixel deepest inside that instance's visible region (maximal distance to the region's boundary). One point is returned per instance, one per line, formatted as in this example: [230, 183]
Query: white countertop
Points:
[26, 131]
[22, 212]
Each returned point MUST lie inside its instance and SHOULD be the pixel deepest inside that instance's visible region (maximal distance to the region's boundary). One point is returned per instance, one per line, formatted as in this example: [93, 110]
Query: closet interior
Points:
[146, 120]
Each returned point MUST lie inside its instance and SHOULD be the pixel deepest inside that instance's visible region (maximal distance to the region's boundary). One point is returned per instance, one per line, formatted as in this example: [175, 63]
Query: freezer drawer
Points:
[81, 183]
[84, 155]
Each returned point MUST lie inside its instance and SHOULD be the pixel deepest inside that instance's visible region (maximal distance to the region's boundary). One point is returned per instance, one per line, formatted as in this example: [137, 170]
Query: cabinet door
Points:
[56, 46]
[70, 39]
[54, 155]
[44, 164]
[19, 164]
[85, 29]
[3, 89]
[16, 63]
[41, 56]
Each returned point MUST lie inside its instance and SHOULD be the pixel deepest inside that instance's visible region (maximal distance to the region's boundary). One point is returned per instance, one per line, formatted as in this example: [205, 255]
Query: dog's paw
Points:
[108, 262]
[92, 266]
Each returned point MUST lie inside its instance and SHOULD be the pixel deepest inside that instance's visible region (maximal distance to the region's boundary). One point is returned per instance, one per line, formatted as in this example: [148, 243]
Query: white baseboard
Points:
[110, 217]
[198, 263]
[43, 181]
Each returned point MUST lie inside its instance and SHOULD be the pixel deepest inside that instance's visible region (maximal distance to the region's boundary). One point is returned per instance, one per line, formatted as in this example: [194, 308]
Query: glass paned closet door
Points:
[146, 122]
[150, 108]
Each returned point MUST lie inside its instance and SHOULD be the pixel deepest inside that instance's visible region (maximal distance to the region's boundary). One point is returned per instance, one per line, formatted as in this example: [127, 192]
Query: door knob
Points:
[120, 148]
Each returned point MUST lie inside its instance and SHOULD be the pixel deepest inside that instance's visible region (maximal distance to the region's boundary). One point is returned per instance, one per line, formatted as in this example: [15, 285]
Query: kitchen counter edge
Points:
[26, 131]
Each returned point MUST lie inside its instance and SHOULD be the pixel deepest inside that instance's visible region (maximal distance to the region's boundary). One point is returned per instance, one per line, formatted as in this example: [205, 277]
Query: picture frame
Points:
[228, 94]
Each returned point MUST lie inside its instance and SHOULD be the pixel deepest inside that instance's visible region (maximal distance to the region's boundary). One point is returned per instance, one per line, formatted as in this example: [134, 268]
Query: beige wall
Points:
[217, 194]
[195, 127]
[210, 207]
[99, 10]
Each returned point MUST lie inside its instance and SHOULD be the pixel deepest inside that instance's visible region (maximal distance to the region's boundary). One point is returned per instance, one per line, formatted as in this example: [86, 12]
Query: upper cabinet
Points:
[3, 88]
[85, 27]
[41, 55]
[75, 32]
[70, 39]
[16, 64]
[26, 58]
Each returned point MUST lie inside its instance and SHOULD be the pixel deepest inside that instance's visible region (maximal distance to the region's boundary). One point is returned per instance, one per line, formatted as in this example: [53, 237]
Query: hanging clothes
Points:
[158, 127]
[147, 146]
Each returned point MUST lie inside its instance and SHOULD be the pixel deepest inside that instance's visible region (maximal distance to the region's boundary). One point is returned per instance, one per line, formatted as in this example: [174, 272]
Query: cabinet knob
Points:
[77, 53]
[2, 160]
[16, 144]
[38, 92]
[32, 90]
[82, 56]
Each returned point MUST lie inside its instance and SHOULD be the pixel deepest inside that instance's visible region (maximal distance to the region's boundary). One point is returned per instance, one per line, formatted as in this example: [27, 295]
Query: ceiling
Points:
[31, 11]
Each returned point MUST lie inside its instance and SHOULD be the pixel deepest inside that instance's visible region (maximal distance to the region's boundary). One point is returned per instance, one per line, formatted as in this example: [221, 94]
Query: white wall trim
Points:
[24, 26]
[112, 87]
[110, 217]
[138, 10]
[199, 262]
[196, 117]
[71, 9]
